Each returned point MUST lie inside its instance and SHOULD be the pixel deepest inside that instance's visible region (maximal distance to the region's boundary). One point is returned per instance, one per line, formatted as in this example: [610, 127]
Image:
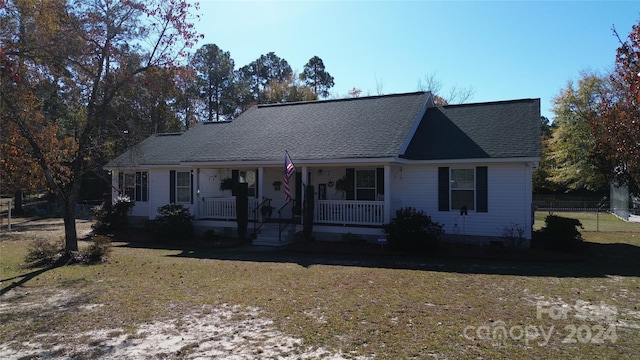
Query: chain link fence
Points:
[592, 219]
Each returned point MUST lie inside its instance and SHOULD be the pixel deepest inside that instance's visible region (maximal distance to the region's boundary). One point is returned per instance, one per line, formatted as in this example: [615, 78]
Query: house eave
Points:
[297, 162]
[533, 161]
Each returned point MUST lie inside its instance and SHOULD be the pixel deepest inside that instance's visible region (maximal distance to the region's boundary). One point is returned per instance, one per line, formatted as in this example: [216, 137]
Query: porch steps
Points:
[268, 235]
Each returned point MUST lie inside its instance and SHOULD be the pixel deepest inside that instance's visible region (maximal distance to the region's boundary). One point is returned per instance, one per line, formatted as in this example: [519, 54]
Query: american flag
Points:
[289, 170]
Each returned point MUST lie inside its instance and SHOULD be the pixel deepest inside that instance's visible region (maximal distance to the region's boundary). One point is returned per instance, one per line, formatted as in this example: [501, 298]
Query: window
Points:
[365, 185]
[183, 187]
[135, 185]
[462, 189]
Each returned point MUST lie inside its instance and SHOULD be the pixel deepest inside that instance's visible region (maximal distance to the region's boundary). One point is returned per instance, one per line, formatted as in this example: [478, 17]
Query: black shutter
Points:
[172, 186]
[235, 177]
[482, 195]
[138, 191]
[350, 176]
[191, 194]
[380, 181]
[145, 186]
[443, 189]
[298, 193]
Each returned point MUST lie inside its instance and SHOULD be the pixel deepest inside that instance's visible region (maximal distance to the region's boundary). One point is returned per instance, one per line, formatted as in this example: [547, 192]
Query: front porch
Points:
[328, 212]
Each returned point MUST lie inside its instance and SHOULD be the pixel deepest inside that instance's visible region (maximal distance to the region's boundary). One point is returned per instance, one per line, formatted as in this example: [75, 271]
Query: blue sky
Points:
[503, 50]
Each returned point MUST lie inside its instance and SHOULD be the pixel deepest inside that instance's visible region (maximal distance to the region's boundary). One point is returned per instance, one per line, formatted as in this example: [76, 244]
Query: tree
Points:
[354, 93]
[144, 106]
[289, 90]
[215, 74]
[617, 126]
[188, 100]
[455, 96]
[315, 76]
[18, 171]
[89, 51]
[572, 143]
[260, 72]
[541, 176]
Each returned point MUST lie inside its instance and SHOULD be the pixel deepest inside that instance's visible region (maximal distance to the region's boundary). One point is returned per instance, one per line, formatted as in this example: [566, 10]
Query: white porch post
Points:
[261, 182]
[305, 182]
[387, 194]
[196, 208]
[114, 184]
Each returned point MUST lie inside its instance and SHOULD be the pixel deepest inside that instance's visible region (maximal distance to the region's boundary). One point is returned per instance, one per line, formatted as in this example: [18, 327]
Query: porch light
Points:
[276, 185]
[330, 184]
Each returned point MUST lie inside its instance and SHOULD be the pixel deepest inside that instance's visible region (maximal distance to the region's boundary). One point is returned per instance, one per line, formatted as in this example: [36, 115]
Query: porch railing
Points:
[349, 212]
[224, 208]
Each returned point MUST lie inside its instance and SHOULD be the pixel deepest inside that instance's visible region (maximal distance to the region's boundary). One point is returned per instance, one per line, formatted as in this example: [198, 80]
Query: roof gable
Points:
[504, 129]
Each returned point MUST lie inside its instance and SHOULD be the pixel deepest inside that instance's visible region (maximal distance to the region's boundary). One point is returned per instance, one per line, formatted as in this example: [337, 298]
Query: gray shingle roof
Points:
[368, 127]
[502, 129]
[360, 128]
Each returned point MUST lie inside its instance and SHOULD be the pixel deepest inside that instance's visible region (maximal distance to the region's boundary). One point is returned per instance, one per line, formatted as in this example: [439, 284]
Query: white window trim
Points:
[124, 185]
[178, 187]
[451, 188]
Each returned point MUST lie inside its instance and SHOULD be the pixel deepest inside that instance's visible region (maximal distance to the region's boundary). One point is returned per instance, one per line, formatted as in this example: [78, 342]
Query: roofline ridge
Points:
[175, 133]
[490, 102]
[342, 99]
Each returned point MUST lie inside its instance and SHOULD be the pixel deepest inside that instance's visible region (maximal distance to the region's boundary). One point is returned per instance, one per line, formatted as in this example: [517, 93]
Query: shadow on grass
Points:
[595, 260]
[31, 275]
[22, 224]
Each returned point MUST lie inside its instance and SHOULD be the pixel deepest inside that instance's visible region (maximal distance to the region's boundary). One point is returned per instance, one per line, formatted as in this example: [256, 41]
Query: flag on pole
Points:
[289, 169]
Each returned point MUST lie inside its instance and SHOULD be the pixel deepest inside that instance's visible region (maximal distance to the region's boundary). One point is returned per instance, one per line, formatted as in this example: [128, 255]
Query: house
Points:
[467, 166]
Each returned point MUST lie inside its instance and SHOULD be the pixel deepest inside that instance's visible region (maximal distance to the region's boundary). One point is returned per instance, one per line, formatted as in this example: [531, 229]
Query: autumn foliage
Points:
[68, 70]
[617, 128]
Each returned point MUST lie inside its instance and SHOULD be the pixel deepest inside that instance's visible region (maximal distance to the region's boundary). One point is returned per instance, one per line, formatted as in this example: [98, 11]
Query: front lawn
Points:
[184, 302]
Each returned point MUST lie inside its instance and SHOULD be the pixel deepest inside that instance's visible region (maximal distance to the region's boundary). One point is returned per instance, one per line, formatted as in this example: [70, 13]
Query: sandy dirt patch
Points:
[224, 332]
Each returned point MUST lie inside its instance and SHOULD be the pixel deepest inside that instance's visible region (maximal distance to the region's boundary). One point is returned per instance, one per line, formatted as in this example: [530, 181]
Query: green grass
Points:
[591, 221]
[387, 307]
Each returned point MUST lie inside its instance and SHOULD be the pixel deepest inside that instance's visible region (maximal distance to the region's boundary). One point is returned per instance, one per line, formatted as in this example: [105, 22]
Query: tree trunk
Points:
[67, 202]
[70, 233]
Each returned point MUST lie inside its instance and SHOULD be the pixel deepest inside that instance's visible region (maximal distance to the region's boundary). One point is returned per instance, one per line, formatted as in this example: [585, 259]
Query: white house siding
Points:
[509, 202]
[158, 190]
[209, 183]
[159, 183]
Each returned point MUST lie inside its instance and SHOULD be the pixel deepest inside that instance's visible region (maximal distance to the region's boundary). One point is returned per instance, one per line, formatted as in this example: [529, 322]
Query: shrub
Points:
[513, 235]
[560, 233]
[111, 217]
[174, 222]
[413, 230]
[98, 251]
[44, 252]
